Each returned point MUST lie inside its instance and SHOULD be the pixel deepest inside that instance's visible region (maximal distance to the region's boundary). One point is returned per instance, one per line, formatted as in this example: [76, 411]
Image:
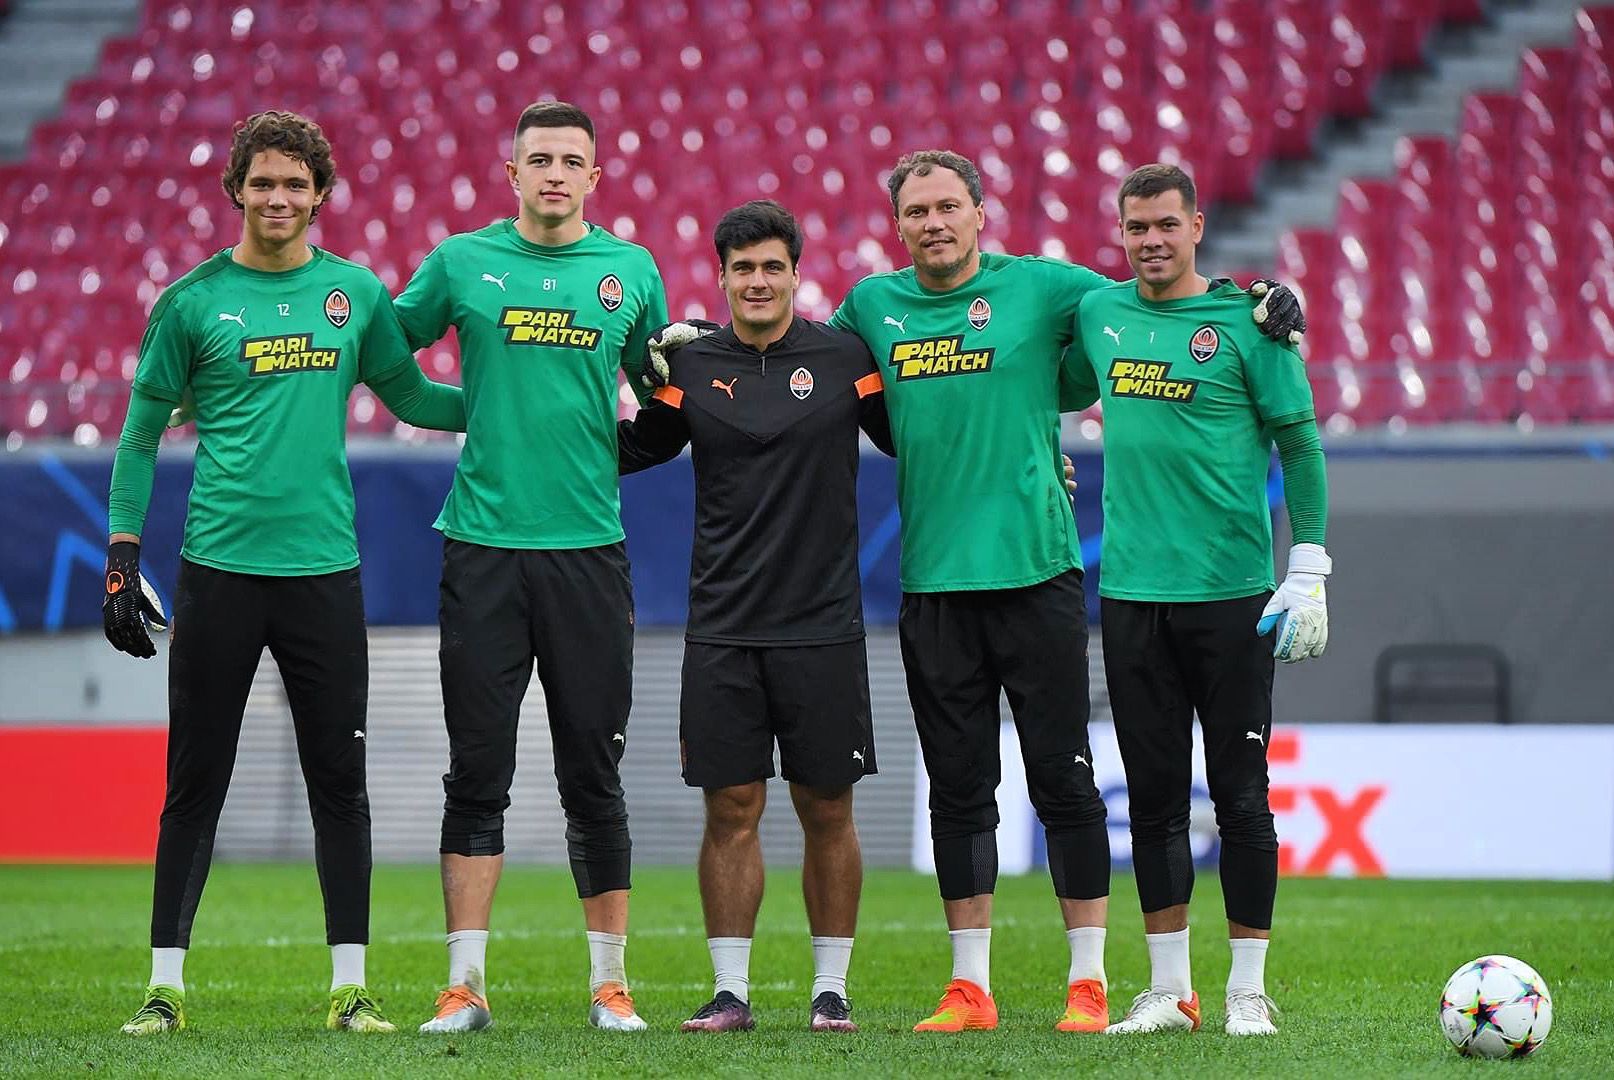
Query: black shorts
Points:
[737, 699]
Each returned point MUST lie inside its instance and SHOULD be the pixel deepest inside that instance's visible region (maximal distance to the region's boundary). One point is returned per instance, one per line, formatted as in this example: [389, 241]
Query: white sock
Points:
[1087, 954]
[831, 957]
[347, 965]
[1249, 970]
[1168, 962]
[468, 959]
[972, 956]
[605, 962]
[731, 965]
[168, 968]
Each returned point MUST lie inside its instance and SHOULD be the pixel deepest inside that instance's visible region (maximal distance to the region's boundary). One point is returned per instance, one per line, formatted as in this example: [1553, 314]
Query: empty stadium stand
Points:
[1478, 285]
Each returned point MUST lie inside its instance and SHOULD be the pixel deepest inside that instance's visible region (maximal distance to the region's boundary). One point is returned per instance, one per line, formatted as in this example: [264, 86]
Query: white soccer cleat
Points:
[612, 1009]
[459, 1008]
[1158, 1010]
[1250, 1012]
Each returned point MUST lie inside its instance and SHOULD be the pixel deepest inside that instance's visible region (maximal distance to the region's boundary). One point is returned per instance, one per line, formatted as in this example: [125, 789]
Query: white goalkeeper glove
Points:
[668, 340]
[1299, 609]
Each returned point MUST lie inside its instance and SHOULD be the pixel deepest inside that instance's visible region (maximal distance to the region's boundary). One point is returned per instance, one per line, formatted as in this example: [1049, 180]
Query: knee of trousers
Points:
[1064, 795]
[587, 805]
[963, 800]
[1246, 818]
[1158, 824]
[951, 820]
[598, 839]
[345, 798]
[472, 831]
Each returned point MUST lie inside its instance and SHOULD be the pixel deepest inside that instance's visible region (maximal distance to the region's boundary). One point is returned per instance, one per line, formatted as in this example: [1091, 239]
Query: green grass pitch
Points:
[1357, 968]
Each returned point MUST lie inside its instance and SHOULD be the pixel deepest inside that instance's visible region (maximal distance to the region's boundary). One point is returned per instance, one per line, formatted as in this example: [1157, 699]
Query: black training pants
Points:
[314, 628]
[1163, 664]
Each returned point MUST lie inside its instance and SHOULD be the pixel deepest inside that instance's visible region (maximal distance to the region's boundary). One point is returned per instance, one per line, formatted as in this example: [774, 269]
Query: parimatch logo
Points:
[1149, 379]
[934, 357]
[286, 353]
[546, 326]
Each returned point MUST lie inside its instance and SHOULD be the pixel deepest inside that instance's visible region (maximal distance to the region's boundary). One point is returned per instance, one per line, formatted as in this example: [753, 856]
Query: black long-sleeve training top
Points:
[773, 435]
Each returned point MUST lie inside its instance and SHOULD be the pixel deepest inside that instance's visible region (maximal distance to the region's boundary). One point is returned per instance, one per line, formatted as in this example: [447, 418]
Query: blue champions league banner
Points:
[54, 541]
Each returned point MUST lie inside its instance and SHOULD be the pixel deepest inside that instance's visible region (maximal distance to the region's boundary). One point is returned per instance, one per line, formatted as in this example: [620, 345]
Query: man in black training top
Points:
[771, 404]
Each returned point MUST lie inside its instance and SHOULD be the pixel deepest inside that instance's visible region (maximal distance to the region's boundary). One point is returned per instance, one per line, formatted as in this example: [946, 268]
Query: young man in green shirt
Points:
[547, 308]
[267, 339]
[1194, 400]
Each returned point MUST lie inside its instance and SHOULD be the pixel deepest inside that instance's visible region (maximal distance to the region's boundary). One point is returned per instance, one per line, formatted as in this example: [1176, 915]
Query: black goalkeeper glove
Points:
[131, 609]
[1278, 314]
[668, 340]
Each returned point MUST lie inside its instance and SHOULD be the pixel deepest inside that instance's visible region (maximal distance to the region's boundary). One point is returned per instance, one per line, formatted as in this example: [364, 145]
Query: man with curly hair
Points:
[265, 341]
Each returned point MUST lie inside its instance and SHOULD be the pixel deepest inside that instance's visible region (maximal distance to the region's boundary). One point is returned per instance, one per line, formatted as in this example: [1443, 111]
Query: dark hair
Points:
[923, 162]
[1157, 179]
[756, 221]
[554, 114]
[293, 135]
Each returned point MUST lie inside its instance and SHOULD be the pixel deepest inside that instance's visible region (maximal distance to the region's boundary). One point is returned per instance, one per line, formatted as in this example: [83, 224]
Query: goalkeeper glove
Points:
[668, 340]
[1299, 609]
[1278, 314]
[132, 608]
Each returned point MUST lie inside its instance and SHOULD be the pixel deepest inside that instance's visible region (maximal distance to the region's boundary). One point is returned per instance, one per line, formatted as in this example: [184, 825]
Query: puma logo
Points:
[619, 737]
[726, 387]
[1256, 735]
[1116, 334]
[499, 281]
[857, 756]
[889, 321]
[358, 734]
[1082, 761]
[225, 316]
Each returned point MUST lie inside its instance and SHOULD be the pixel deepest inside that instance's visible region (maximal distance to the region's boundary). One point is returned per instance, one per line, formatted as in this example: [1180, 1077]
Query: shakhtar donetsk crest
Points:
[801, 382]
[338, 308]
[610, 292]
[1204, 343]
[980, 313]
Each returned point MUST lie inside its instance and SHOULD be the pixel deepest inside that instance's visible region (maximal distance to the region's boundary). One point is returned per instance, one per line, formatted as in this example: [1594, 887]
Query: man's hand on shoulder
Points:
[1278, 313]
[668, 340]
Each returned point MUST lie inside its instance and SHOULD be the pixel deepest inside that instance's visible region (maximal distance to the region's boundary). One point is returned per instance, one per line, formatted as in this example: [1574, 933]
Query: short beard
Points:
[954, 267]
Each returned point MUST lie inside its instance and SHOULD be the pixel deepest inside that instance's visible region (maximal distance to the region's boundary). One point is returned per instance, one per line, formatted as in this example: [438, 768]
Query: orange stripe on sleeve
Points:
[670, 395]
[869, 384]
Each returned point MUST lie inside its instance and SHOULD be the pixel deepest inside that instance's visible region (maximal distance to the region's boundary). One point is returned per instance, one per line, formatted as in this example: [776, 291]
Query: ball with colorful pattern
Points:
[1496, 1007]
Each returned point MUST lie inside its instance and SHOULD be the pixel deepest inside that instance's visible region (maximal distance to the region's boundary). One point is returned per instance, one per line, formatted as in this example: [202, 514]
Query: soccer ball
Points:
[1496, 1007]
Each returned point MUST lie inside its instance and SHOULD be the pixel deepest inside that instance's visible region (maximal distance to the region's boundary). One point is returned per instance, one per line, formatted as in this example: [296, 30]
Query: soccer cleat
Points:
[964, 1006]
[1087, 1008]
[459, 1008]
[353, 1009]
[164, 1010]
[724, 1012]
[1158, 1010]
[612, 1009]
[1250, 1012]
[831, 1012]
